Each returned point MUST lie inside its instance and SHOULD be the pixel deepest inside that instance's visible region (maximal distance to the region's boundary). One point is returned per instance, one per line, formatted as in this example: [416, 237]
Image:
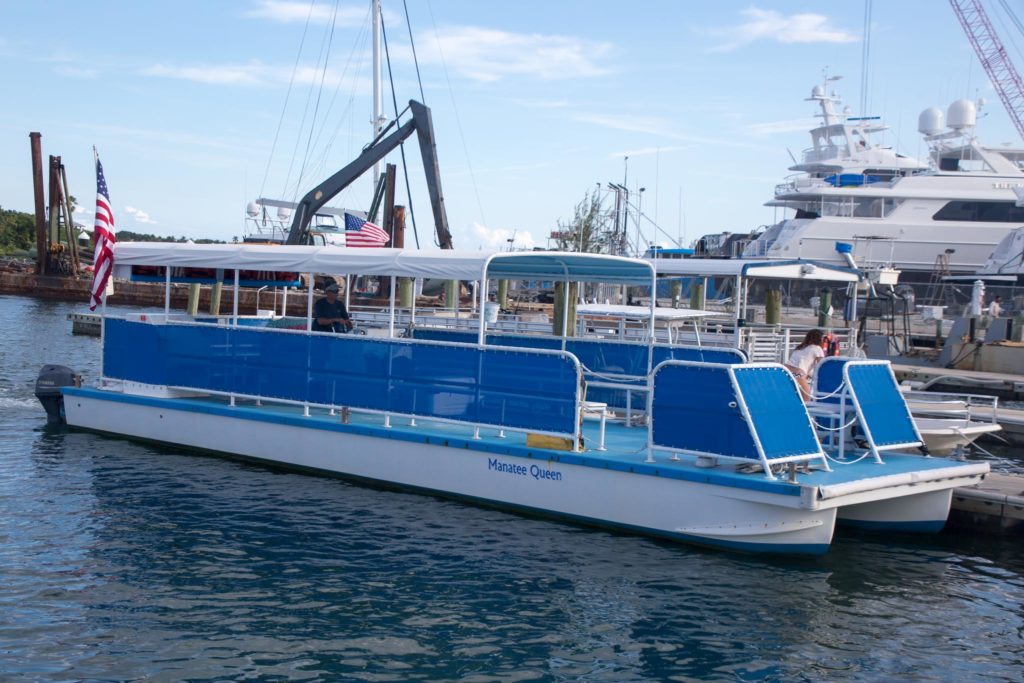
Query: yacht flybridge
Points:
[895, 210]
[685, 442]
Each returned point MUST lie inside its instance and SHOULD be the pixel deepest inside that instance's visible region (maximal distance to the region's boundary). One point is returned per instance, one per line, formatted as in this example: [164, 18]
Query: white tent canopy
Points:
[776, 270]
[446, 264]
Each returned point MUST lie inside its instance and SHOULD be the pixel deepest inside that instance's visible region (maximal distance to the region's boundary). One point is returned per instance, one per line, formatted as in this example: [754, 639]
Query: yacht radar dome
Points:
[961, 114]
[817, 92]
[931, 121]
[283, 212]
[252, 210]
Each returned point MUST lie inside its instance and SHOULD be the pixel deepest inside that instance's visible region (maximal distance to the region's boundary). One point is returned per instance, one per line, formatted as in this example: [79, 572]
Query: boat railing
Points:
[957, 406]
[765, 343]
[813, 155]
[536, 391]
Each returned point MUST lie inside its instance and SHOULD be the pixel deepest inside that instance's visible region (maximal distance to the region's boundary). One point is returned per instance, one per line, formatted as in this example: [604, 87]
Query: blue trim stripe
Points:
[635, 465]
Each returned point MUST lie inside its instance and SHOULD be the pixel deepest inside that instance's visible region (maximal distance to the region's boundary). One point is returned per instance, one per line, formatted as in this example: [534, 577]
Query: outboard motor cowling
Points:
[48, 384]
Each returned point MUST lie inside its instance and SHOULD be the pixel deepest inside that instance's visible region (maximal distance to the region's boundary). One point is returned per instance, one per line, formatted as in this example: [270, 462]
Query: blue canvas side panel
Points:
[882, 405]
[700, 355]
[695, 409]
[829, 377]
[124, 341]
[500, 387]
[777, 411]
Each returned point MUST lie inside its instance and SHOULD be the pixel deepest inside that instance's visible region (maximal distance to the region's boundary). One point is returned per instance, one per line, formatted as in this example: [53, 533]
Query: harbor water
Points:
[127, 561]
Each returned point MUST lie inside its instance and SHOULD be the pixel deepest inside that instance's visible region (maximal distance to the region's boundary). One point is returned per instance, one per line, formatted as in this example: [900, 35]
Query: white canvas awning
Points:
[775, 270]
[641, 312]
[439, 264]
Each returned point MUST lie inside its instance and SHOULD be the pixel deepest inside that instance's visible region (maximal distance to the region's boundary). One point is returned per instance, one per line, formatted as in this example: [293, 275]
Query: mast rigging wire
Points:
[415, 60]
[865, 59]
[458, 119]
[291, 82]
[394, 101]
[302, 127]
[319, 93]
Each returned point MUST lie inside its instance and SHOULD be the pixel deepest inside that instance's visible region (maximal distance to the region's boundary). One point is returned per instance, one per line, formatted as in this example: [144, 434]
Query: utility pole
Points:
[37, 181]
[639, 217]
[625, 204]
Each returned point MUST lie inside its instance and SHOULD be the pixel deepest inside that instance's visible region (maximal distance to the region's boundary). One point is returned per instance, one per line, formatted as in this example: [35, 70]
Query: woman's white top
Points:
[804, 358]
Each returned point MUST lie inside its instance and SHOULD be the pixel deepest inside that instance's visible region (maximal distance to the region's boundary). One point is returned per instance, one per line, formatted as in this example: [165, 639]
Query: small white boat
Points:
[950, 422]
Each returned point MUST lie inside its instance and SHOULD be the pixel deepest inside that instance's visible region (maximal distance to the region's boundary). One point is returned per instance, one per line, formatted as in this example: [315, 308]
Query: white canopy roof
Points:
[640, 312]
[441, 264]
[776, 270]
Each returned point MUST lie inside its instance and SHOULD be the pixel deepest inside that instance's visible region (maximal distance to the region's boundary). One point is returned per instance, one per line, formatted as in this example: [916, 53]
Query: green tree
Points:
[585, 232]
[17, 231]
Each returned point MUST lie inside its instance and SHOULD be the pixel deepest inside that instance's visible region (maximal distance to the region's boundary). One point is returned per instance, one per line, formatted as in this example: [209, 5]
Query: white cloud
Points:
[633, 124]
[252, 74]
[542, 104]
[76, 72]
[771, 25]
[655, 126]
[81, 209]
[498, 238]
[773, 127]
[645, 151]
[139, 215]
[485, 54]
[287, 11]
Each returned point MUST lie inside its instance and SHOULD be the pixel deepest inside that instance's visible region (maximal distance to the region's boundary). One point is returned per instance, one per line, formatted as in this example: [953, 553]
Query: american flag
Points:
[103, 233]
[361, 233]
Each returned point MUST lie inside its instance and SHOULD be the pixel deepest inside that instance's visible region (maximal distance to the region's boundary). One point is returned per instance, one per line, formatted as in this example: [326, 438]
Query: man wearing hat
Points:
[329, 314]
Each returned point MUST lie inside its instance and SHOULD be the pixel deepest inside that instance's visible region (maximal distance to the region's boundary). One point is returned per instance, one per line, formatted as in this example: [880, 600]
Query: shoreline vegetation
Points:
[18, 235]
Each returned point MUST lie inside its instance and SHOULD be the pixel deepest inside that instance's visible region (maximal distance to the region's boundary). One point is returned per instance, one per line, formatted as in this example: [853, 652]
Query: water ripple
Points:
[120, 561]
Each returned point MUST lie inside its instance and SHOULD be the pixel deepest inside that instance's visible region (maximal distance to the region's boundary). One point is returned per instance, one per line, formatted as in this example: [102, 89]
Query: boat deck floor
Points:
[626, 447]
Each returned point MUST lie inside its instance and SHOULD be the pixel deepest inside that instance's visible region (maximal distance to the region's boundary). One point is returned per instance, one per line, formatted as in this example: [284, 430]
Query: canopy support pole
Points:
[234, 301]
[391, 316]
[309, 304]
[167, 293]
[482, 331]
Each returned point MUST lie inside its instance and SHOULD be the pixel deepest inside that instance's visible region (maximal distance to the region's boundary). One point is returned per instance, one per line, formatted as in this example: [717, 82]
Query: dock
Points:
[1006, 386]
[996, 505]
[85, 323]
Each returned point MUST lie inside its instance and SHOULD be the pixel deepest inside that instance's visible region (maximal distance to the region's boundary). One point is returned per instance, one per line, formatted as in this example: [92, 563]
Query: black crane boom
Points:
[422, 124]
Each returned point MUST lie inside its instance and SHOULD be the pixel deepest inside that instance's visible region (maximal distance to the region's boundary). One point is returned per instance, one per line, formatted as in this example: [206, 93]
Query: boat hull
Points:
[920, 513]
[669, 508]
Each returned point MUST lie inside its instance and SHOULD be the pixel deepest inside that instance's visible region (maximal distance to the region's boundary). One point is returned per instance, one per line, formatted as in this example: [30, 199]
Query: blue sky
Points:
[534, 102]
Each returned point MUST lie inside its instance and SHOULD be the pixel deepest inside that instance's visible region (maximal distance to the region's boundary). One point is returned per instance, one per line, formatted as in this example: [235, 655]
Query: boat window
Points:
[949, 164]
[859, 207]
[980, 212]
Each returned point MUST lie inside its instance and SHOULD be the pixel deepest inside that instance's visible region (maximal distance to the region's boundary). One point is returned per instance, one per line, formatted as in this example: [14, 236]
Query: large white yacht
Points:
[893, 209]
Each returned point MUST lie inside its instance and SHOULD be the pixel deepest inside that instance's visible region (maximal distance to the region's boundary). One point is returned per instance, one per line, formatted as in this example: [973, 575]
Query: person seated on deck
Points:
[803, 359]
[329, 314]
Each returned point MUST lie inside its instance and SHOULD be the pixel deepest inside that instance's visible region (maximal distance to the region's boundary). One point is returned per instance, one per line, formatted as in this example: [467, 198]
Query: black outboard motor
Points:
[51, 378]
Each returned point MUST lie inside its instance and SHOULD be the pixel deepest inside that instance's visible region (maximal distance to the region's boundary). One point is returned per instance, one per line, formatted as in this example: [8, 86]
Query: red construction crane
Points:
[993, 57]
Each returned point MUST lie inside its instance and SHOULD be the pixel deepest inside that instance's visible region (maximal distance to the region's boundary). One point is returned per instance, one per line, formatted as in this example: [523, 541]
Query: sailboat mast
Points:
[378, 119]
